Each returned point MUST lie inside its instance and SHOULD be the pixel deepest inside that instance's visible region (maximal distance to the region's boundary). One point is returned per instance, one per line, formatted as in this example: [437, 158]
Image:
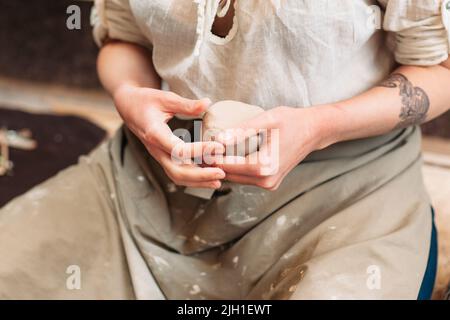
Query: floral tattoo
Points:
[415, 102]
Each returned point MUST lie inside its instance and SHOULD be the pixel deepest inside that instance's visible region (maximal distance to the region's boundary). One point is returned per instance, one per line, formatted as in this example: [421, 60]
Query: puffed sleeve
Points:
[421, 30]
[113, 19]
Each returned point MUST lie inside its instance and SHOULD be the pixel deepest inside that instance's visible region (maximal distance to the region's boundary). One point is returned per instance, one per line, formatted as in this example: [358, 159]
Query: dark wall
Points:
[36, 45]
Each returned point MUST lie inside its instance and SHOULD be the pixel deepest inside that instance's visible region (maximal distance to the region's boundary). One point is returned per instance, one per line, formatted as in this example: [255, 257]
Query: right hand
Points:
[146, 112]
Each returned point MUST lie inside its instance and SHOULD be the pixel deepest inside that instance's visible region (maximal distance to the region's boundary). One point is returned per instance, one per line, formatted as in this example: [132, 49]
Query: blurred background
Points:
[50, 95]
[37, 46]
[49, 91]
[44, 65]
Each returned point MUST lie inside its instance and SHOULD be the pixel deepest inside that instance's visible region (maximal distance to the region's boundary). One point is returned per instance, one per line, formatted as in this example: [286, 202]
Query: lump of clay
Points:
[227, 114]
[220, 116]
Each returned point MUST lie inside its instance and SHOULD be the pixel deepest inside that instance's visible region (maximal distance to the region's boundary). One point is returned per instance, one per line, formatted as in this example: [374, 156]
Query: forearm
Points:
[412, 95]
[121, 63]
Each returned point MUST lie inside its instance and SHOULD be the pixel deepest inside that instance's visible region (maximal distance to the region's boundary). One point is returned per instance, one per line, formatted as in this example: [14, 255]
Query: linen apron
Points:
[350, 221]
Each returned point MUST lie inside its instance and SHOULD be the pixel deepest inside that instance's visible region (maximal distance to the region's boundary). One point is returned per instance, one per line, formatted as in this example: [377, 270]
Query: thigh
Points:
[61, 240]
[377, 248]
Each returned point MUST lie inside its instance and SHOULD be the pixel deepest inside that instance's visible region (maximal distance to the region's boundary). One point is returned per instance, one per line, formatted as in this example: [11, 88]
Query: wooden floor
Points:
[98, 107]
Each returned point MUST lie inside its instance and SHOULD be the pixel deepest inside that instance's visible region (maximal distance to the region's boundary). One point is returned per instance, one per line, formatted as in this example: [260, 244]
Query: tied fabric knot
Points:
[207, 10]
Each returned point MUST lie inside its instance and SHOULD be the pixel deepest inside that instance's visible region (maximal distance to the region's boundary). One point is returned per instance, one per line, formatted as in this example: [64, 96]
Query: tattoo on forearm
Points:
[415, 102]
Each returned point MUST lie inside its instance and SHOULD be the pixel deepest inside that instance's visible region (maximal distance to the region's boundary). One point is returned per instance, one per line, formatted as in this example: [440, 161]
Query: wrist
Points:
[123, 87]
[123, 91]
[327, 124]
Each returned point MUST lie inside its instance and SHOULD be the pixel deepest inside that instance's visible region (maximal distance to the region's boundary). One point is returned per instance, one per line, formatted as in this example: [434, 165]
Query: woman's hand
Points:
[290, 135]
[146, 113]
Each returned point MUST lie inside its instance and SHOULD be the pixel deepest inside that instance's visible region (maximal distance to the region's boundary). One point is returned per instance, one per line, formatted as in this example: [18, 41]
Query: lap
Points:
[71, 220]
[64, 227]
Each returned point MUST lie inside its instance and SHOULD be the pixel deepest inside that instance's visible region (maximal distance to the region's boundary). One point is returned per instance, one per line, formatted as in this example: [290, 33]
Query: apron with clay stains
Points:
[350, 221]
[342, 213]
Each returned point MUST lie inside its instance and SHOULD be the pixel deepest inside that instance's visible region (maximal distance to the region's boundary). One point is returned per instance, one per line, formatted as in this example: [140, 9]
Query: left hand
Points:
[290, 135]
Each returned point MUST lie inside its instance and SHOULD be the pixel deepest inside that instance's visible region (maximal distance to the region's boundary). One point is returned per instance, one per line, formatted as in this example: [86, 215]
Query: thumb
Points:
[173, 103]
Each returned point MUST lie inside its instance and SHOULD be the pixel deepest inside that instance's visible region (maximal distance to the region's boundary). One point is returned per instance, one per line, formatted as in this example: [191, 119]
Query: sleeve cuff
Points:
[113, 19]
[421, 41]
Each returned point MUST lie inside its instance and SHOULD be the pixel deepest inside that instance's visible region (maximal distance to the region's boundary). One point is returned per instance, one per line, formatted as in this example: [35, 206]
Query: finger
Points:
[269, 183]
[208, 184]
[233, 137]
[238, 166]
[193, 173]
[173, 103]
[196, 150]
[258, 164]
[161, 136]
[188, 172]
[269, 159]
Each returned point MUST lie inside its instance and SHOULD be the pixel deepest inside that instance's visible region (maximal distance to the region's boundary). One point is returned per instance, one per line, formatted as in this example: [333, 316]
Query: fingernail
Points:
[207, 101]
[220, 175]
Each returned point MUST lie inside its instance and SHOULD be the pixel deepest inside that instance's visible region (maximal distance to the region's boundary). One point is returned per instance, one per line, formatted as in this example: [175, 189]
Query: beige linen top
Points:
[279, 52]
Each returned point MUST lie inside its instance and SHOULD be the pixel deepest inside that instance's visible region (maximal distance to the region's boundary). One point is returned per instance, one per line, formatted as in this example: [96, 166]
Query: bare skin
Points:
[135, 87]
[412, 95]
